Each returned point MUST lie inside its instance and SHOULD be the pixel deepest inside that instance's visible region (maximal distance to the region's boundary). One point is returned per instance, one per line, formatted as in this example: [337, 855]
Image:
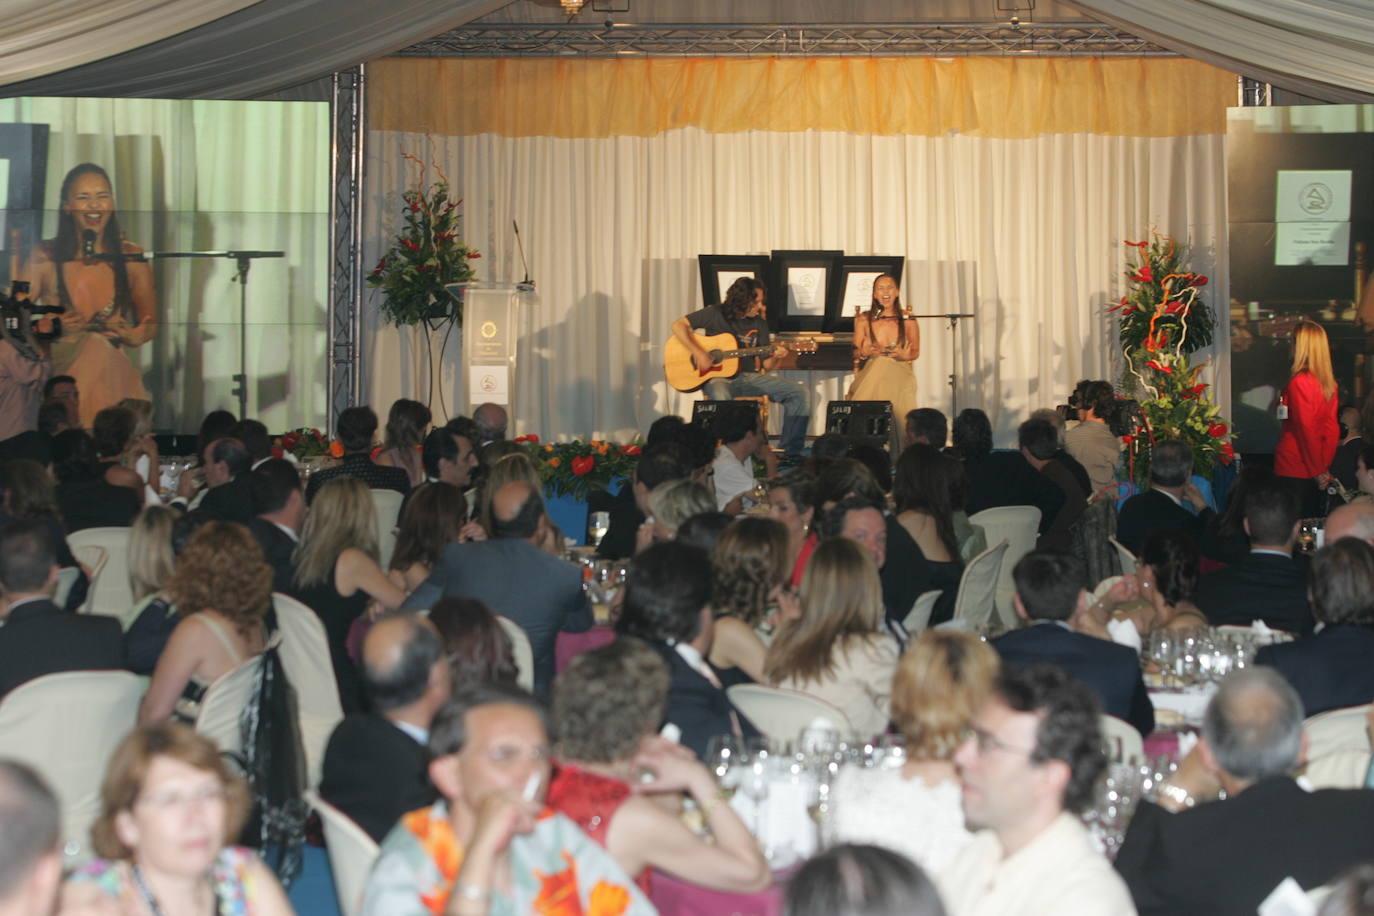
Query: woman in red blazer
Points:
[1310, 432]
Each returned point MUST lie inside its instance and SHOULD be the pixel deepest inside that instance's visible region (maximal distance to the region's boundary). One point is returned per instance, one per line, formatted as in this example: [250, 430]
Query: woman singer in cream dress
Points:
[890, 341]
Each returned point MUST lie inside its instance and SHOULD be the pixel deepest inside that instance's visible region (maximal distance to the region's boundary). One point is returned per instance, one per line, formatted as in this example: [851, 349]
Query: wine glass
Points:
[724, 753]
[598, 523]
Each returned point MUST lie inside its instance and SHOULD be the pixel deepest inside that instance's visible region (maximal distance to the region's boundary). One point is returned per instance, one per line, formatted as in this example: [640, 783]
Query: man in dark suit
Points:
[659, 463]
[229, 497]
[1268, 584]
[280, 507]
[356, 427]
[449, 455]
[1049, 593]
[667, 604]
[1331, 669]
[375, 766]
[1171, 472]
[1223, 858]
[1008, 479]
[513, 577]
[38, 637]
[1039, 443]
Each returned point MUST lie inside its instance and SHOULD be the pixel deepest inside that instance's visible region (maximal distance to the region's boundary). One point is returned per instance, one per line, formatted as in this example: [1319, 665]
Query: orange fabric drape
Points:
[922, 96]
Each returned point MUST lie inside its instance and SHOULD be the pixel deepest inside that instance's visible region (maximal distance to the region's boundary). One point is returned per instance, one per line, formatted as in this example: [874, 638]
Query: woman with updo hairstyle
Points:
[171, 808]
[748, 595]
[1159, 596]
[221, 589]
[608, 705]
[940, 683]
[406, 426]
[478, 649]
[113, 431]
[434, 517]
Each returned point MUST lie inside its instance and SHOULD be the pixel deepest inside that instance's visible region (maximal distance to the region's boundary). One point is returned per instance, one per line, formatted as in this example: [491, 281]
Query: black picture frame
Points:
[785, 311]
[864, 269]
[713, 266]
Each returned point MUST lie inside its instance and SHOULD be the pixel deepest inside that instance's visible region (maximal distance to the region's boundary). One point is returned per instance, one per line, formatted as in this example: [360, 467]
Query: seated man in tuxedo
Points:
[1008, 479]
[357, 427]
[1331, 669]
[1223, 858]
[1049, 592]
[513, 577]
[227, 496]
[1039, 444]
[375, 766]
[1268, 584]
[38, 637]
[659, 463]
[667, 604]
[1171, 472]
[280, 507]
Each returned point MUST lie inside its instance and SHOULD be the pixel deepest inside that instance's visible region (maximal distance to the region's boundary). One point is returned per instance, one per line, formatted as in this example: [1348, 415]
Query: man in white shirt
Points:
[741, 441]
[1030, 762]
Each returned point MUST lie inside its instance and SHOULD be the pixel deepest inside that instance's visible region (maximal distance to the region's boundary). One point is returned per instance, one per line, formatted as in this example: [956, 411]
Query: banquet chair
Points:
[978, 589]
[66, 726]
[110, 592]
[919, 615]
[305, 658]
[66, 578]
[387, 505]
[1129, 563]
[225, 700]
[94, 559]
[524, 654]
[1338, 748]
[1103, 587]
[1019, 527]
[351, 853]
[1123, 741]
[782, 714]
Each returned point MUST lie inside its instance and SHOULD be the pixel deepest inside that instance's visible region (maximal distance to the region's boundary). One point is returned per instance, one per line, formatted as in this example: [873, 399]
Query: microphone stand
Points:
[953, 319]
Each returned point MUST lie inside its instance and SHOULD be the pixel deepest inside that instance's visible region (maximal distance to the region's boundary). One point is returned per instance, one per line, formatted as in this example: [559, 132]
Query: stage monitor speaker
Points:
[709, 414]
[861, 422]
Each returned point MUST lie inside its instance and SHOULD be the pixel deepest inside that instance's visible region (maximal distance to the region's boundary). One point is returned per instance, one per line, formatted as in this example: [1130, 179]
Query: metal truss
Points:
[345, 239]
[1043, 39]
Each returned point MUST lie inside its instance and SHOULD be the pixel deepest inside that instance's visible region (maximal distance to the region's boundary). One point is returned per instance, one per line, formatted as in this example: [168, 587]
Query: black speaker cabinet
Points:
[861, 422]
[708, 414]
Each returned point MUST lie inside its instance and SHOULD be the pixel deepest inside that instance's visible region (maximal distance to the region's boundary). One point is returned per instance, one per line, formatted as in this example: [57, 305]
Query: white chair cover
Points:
[351, 854]
[387, 505]
[1018, 526]
[978, 589]
[524, 654]
[66, 578]
[304, 655]
[1129, 563]
[1123, 742]
[94, 559]
[1104, 586]
[919, 616]
[223, 706]
[782, 714]
[1338, 750]
[66, 726]
[110, 592]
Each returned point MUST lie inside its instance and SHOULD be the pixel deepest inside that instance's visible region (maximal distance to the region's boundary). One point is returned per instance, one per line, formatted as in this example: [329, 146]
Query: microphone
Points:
[88, 243]
[526, 285]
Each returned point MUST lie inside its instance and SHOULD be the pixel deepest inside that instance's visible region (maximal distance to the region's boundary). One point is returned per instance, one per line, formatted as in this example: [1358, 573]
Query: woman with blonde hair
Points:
[836, 650]
[670, 504]
[1308, 406]
[940, 683]
[337, 573]
[171, 808]
[152, 562]
[750, 564]
[140, 454]
[517, 466]
[221, 589]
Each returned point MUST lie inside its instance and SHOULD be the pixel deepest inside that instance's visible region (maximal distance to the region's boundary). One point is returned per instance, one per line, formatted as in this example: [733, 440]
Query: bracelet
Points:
[710, 805]
[1177, 795]
[470, 892]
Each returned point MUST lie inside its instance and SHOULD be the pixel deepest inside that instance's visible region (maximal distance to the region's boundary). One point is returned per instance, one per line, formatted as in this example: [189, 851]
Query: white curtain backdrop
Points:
[613, 226]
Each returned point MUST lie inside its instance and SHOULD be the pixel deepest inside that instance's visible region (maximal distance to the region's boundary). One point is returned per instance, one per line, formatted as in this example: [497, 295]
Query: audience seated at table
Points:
[1157, 596]
[356, 428]
[112, 431]
[1225, 857]
[477, 648]
[1269, 584]
[750, 566]
[743, 439]
[221, 589]
[434, 517]
[279, 504]
[704, 529]
[512, 468]
[856, 880]
[1049, 593]
[406, 426]
[376, 767]
[1331, 669]
[1001, 478]
[1161, 507]
[149, 624]
[27, 491]
[792, 501]
[837, 650]
[926, 481]
[38, 637]
[228, 494]
[85, 498]
[1038, 441]
[607, 706]
[661, 460]
[170, 809]
[668, 605]
[670, 504]
[941, 682]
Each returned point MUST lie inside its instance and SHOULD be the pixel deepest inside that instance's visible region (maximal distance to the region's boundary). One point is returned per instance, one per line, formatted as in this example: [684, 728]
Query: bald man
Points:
[1352, 521]
[540, 592]
[30, 842]
[376, 766]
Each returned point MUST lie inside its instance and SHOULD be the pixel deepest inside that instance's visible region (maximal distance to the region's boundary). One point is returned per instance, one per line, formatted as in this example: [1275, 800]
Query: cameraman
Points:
[1092, 442]
[25, 363]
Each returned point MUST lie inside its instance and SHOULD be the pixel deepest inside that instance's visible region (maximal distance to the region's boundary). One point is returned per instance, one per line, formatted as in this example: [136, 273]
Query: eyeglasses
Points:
[986, 741]
[169, 801]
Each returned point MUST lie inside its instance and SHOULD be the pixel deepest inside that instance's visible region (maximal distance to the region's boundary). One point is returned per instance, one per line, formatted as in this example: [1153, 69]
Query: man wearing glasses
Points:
[1027, 767]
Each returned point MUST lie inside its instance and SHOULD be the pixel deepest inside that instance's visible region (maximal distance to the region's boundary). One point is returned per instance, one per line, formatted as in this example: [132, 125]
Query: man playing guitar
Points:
[744, 314]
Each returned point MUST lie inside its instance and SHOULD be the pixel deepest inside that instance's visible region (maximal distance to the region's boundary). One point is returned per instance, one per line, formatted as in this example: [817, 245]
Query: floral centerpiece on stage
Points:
[306, 442]
[426, 256]
[577, 468]
[1163, 321]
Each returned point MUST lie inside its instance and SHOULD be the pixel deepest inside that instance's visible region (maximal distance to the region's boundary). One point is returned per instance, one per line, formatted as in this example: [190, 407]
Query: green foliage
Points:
[577, 468]
[427, 255]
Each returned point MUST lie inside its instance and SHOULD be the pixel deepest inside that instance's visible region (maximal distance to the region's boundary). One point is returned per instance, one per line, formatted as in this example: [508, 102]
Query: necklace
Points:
[146, 893]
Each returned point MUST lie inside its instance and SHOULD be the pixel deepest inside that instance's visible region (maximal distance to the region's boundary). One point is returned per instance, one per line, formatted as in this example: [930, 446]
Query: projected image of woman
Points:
[111, 303]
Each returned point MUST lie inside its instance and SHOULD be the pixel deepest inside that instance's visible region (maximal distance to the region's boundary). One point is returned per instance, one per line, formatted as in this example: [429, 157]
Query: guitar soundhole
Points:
[715, 356]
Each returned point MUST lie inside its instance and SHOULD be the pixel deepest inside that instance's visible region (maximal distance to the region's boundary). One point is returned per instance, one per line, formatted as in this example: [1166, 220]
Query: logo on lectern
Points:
[488, 329]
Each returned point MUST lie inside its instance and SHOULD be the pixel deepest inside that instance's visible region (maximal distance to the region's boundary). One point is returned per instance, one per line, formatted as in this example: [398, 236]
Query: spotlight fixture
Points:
[572, 7]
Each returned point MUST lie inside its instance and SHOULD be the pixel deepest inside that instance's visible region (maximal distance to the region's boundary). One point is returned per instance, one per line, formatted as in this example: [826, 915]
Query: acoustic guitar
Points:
[682, 373]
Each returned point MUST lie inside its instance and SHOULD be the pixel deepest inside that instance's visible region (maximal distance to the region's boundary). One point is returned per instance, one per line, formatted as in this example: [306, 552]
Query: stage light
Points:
[572, 7]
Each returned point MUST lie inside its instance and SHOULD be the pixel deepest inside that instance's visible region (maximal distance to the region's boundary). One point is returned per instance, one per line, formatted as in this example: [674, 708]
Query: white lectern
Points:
[490, 331]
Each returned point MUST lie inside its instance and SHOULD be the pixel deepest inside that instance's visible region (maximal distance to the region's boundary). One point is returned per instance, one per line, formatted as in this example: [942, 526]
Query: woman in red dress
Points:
[1310, 431]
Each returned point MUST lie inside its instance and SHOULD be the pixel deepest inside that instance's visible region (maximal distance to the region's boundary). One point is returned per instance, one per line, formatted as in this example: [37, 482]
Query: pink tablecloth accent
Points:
[570, 644]
[673, 897]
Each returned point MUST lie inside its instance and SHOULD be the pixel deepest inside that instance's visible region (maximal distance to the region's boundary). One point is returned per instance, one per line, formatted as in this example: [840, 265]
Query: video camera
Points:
[19, 316]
